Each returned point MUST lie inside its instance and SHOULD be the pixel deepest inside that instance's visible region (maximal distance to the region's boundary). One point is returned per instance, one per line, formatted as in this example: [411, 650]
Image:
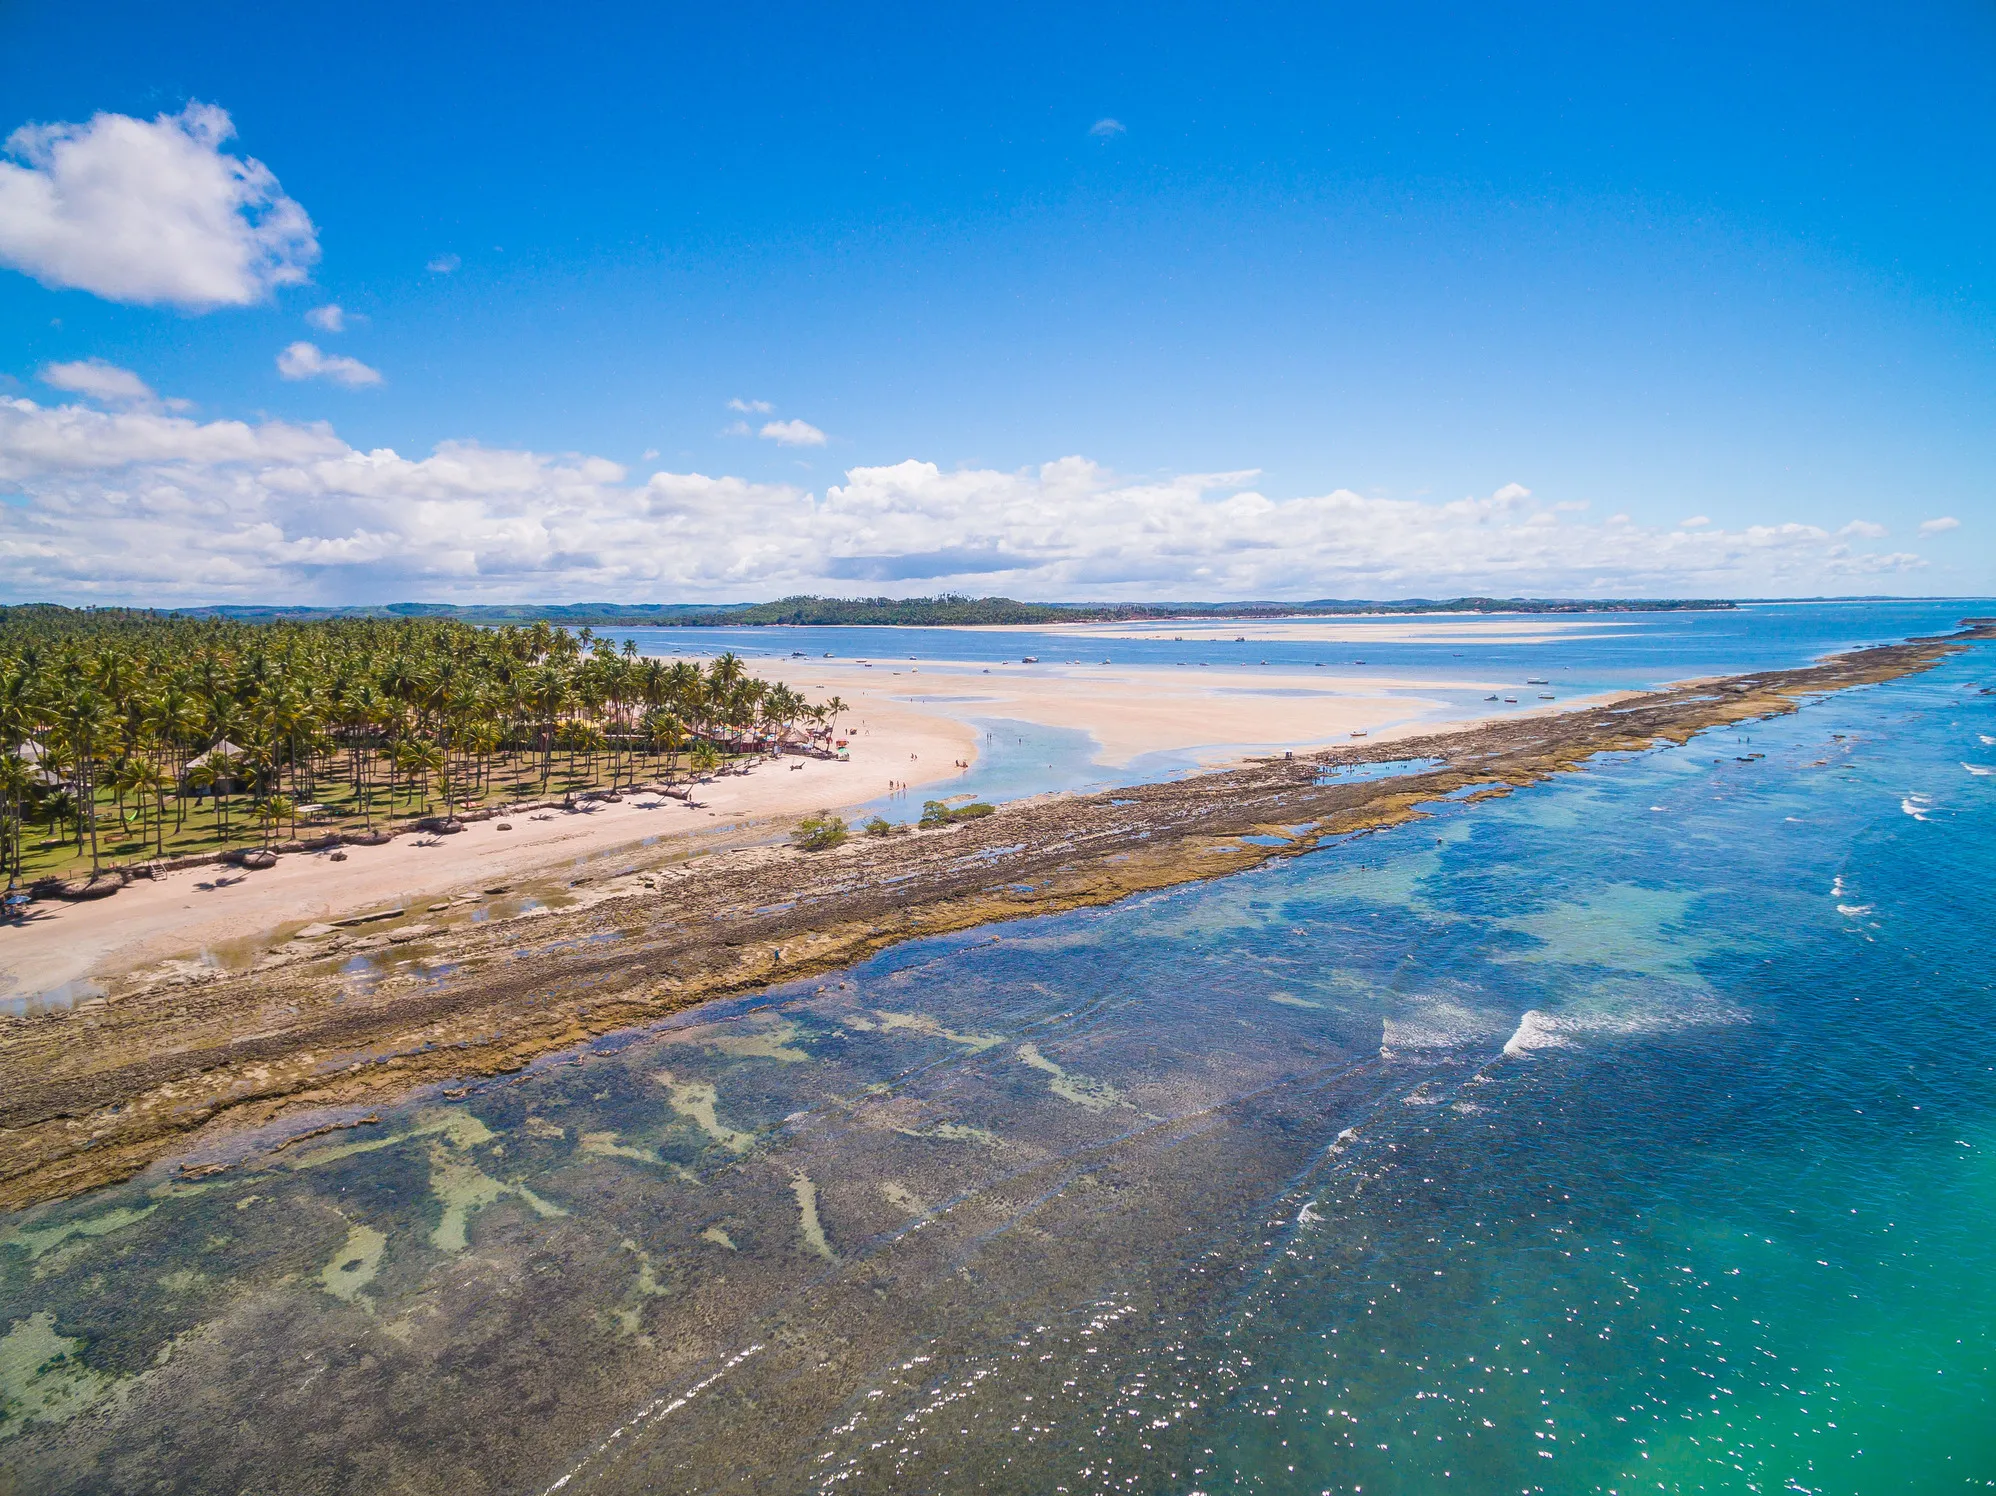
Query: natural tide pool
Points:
[1632, 1133]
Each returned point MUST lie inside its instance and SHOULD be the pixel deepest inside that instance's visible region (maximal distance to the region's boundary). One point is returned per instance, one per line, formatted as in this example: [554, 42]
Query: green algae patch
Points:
[775, 1043]
[463, 1187]
[1082, 1090]
[354, 1266]
[36, 1240]
[695, 1100]
[630, 1316]
[719, 1238]
[461, 1129]
[808, 1224]
[42, 1376]
[922, 1023]
[605, 1145]
[954, 1132]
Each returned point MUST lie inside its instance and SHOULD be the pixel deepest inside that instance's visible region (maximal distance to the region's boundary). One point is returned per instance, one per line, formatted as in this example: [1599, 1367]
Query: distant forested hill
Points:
[932, 611]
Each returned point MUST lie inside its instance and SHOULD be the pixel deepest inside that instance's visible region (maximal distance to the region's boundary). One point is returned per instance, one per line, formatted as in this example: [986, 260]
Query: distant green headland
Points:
[916, 612]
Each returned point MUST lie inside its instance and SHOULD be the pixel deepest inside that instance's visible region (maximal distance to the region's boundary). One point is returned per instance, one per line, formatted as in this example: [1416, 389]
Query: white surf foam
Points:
[1435, 1023]
[1916, 806]
[1537, 1030]
[1980, 771]
[1644, 1015]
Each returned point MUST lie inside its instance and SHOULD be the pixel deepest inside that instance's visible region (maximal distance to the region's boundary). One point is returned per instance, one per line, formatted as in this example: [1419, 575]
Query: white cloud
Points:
[305, 361]
[1108, 127]
[154, 213]
[443, 264]
[1865, 529]
[328, 318]
[98, 380]
[737, 428]
[751, 407]
[142, 506]
[1696, 522]
[792, 434]
[1937, 526]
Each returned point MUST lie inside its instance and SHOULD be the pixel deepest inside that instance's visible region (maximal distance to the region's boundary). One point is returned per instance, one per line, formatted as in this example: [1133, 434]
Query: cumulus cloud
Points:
[328, 318]
[751, 407]
[792, 434]
[443, 264]
[155, 212]
[1696, 522]
[1937, 526]
[306, 361]
[1864, 529]
[737, 428]
[141, 505]
[1104, 128]
[95, 379]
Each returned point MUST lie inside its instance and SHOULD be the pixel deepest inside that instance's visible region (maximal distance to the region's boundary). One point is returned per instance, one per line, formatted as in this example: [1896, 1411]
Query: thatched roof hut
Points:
[222, 748]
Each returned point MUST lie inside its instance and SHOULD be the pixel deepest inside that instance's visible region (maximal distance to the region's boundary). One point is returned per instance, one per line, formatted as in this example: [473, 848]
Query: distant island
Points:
[910, 612]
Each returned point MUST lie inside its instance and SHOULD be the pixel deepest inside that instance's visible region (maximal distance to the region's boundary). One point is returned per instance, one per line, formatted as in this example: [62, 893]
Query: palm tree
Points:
[271, 812]
[147, 778]
[86, 720]
[17, 785]
[420, 760]
[60, 804]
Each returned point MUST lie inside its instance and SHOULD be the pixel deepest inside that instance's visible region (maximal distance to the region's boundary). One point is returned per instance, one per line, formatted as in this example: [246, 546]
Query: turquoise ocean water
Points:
[1636, 1132]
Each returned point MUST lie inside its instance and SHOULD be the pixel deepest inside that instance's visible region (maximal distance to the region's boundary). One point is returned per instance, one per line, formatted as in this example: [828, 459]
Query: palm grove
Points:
[126, 734]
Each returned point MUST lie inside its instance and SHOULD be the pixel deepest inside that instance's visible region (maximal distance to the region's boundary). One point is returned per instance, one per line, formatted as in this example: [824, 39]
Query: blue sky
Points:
[1289, 285]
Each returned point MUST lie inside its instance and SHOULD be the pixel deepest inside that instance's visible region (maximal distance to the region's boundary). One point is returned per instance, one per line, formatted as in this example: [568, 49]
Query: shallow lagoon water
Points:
[1631, 1133]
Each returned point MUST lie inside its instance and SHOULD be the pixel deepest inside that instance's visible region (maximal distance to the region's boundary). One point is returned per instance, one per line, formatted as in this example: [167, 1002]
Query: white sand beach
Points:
[910, 723]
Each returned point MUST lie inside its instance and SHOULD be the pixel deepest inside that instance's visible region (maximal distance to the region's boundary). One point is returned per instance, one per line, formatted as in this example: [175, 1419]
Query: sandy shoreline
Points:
[345, 1018]
[911, 723]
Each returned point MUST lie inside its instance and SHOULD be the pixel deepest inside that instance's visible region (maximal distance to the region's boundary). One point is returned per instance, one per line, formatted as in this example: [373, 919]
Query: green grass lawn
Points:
[191, 826]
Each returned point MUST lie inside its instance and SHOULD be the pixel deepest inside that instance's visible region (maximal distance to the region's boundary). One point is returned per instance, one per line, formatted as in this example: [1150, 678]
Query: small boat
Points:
[1530, 682]
[1029, 659]
[1512, 700]
[1547, 696]
[829, 655]
[1358, 732]
[1491, 698]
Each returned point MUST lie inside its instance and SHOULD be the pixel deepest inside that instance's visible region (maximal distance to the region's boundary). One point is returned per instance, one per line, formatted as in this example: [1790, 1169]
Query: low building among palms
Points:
[225, 756]
[35, 757]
